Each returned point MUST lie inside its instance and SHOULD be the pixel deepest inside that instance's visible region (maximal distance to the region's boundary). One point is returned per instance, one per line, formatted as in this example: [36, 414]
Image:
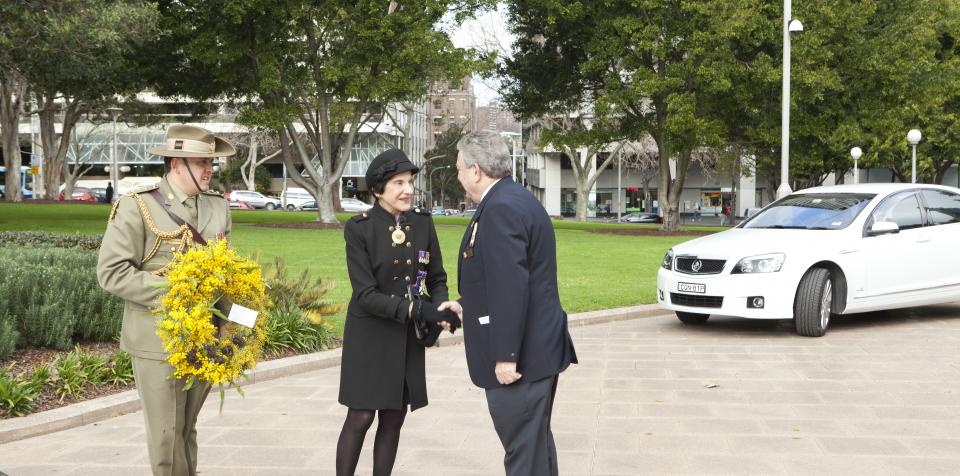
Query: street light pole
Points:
[789, 26]
[619, 183]
[114, 170]
[913, 137]
[430, 185]
[856, 153]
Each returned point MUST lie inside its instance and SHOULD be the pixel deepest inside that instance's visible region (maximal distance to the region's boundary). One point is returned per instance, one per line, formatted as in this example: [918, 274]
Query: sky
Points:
[488, 31]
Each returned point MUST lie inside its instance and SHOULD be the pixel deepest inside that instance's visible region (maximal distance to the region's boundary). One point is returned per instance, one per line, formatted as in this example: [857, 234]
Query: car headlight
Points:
[769, 263]
[667, 262]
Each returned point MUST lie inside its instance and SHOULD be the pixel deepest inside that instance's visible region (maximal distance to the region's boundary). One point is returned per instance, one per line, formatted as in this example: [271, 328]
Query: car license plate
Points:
[692, 288]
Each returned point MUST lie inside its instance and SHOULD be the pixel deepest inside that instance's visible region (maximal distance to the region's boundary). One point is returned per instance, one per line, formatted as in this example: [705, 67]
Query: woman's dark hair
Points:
[377, 187]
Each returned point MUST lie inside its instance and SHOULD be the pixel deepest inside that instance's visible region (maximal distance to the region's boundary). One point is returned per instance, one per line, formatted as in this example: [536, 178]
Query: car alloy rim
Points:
[826, 302]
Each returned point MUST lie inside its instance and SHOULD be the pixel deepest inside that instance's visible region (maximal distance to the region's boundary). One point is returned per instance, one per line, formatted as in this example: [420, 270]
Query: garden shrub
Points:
[290, 329]
[76, 371]
[16, 395]
[120, 369]
[298, 317]
[52, 297]
[8, 334]
[42, 238]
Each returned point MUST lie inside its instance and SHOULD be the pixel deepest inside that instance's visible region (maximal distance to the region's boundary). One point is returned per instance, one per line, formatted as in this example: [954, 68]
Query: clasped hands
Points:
[447, 315]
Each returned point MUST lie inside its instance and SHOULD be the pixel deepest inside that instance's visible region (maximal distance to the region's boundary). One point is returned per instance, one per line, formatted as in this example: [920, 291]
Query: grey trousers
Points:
[521, 414]
[170, 415]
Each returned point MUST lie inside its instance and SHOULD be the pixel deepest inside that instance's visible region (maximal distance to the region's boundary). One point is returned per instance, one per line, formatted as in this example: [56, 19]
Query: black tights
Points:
[384, 445]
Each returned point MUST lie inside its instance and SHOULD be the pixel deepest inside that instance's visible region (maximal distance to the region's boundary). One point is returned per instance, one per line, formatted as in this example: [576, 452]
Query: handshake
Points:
[425, 314]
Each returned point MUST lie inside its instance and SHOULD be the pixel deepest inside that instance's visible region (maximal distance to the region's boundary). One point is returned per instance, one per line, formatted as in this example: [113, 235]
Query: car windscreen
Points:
[814, 211]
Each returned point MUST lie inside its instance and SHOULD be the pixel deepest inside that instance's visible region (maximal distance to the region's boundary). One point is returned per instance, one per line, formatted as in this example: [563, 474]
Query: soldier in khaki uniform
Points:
[146, 227]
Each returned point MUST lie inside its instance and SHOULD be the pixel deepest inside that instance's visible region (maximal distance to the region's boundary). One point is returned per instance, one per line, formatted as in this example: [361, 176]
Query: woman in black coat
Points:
[395, 268]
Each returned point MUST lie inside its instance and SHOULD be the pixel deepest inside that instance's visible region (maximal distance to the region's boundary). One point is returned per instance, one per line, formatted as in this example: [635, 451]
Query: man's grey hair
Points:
[488, 150]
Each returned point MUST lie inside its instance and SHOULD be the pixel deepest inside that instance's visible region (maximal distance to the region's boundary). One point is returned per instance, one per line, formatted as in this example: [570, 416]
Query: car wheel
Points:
[692, 318]
[291, 208]
[271, 206]
[814, 303]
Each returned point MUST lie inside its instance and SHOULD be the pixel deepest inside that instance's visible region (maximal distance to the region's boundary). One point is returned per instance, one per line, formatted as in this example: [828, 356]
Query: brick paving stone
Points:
[877, 395]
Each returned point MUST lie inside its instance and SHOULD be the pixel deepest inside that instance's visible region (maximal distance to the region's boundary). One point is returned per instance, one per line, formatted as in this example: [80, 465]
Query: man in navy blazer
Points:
[515, 332]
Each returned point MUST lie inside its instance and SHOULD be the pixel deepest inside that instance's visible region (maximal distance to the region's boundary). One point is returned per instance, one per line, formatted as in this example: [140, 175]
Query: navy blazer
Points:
[508, 286]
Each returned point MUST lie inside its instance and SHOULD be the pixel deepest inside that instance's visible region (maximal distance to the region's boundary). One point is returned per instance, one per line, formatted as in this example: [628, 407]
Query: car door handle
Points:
[923, 239]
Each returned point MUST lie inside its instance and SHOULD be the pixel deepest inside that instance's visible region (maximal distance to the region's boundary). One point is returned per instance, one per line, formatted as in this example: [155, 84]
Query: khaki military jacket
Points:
[139, 242]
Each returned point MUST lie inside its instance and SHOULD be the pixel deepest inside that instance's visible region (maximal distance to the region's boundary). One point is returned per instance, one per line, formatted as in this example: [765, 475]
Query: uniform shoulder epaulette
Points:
[213, 193]
[143, 189]
[360, 217]
[116, 203]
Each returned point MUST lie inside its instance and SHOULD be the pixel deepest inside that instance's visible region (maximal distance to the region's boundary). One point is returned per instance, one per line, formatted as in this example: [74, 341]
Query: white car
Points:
[820, 252]
[347, 204]
[255, 199]
[295, 198]
[354, 205]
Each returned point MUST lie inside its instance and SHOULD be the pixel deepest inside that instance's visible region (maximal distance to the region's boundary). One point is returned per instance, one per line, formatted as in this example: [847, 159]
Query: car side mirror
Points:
[884, 228]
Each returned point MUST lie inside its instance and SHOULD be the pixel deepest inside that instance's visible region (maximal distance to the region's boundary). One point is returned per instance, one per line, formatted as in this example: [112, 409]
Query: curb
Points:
[102, 408]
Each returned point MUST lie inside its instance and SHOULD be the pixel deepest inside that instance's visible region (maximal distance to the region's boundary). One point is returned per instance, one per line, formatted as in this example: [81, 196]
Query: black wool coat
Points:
[380, 352]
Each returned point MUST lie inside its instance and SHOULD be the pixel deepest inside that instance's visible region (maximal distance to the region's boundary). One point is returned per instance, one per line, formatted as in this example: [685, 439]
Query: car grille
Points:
[693, 300]
[685, 264]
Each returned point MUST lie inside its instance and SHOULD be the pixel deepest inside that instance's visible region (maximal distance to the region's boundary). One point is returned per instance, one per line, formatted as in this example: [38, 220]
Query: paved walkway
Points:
[880, 394]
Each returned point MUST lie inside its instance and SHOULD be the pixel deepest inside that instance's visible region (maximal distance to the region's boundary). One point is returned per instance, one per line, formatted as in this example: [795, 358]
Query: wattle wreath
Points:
[199, 279]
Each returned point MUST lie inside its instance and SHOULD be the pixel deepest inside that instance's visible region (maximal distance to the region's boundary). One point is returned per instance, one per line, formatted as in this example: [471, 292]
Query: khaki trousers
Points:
[171, 417]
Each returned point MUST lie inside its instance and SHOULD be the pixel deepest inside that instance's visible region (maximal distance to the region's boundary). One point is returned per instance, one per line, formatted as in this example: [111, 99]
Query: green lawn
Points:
[596, 271]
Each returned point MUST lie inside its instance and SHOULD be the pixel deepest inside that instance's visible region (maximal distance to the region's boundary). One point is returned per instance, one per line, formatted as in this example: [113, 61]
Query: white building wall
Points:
[748, 194]
[553, 182]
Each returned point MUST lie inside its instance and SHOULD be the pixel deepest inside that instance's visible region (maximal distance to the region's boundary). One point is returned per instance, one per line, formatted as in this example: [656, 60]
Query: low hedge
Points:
[42, 238]
[49, 297]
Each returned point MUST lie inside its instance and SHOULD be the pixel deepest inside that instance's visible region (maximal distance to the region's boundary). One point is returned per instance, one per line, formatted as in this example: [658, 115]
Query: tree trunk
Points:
[941, 172]
[250, 174]
[326, 213]
[54, 150]
[11, 107]
[583, 196]
[647, 202]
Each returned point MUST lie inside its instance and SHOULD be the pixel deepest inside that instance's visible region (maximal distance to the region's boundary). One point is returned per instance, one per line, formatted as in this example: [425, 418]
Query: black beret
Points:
[389, 163]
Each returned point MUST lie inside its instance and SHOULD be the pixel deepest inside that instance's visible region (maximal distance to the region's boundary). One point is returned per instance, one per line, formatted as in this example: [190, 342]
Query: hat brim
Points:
[222, 149]
[405, 167]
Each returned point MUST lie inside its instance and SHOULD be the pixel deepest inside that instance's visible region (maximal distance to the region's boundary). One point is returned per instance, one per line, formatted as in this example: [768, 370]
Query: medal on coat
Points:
[398, 236]
[420, 283]
[423, 257]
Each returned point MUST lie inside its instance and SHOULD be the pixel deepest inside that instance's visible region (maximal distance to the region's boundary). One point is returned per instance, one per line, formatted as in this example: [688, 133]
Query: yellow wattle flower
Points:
[197, 278]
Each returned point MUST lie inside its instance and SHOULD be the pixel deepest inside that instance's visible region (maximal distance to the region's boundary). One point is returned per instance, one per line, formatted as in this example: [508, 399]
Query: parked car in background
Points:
[255, 199]
[821, 252]
[354, 205]
[641, 217]
[351, 205]
[100, 193]
[468, 213]
[295, 197]
[438, 212]
[81, 194]
[235, 204]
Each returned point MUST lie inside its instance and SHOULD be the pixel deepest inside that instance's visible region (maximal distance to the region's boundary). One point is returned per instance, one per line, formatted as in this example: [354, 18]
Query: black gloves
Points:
[425, 315]
[430, 314]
